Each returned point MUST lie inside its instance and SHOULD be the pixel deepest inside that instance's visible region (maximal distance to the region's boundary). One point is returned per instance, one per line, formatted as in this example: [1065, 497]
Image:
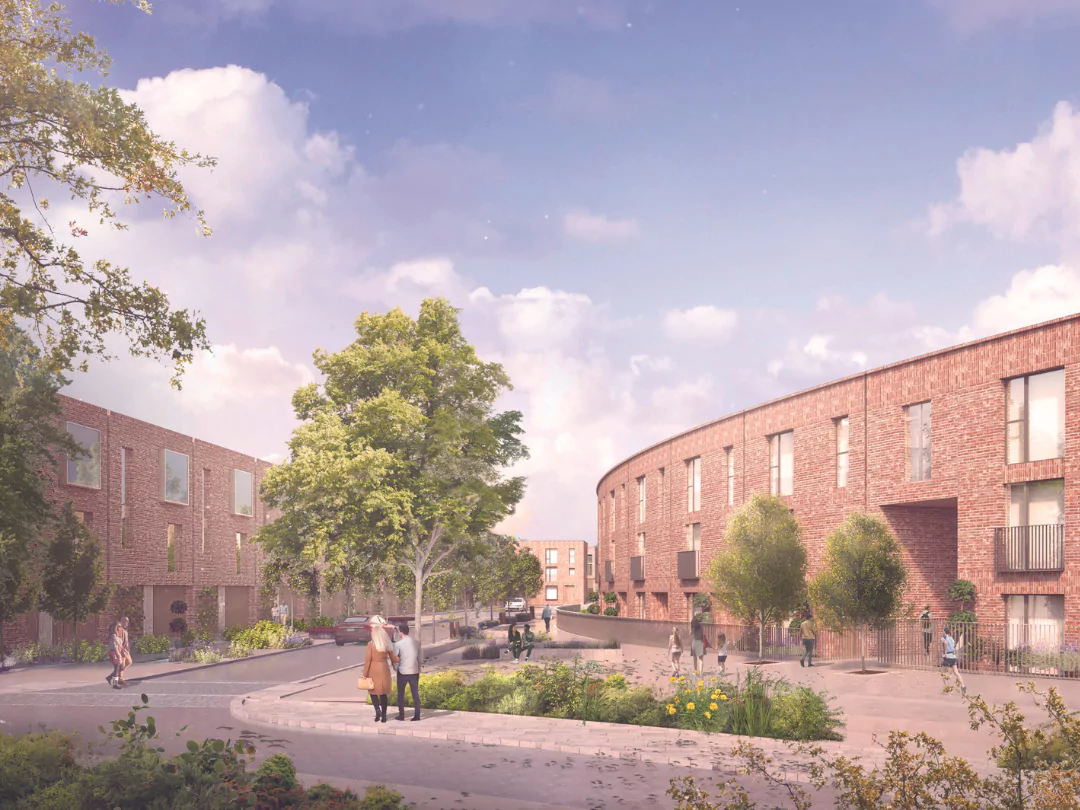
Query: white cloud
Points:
[597, 228]
[406, 284]
[227, 376]
[970, 15]
[1029, 191]
[704, 322]
[1042, 294]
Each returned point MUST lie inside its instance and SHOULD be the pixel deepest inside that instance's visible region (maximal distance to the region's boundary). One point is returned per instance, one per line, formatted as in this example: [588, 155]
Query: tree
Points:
[862, 581]
[62, 134]
[411, 450]
[72, 589]
[761, 574]
[30, 443]
[963, 591]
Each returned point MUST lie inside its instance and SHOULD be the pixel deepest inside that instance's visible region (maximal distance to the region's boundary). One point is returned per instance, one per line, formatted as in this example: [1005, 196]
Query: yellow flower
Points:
[689, 707]
[712, 706]
[712, 679]
[672, 679]
[682, 678]
[676, 698]
[723, 697]
[708, 716]
[671, 710]
[700, 684]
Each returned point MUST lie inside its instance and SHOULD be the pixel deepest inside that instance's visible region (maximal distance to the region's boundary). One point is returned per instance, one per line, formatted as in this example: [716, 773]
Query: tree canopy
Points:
[71, 588]
[62, 135]
[760, 575]
[400, 456]
[862, 581]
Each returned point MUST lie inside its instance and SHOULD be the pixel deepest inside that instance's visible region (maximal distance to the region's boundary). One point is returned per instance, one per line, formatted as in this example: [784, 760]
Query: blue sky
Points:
[652, 213]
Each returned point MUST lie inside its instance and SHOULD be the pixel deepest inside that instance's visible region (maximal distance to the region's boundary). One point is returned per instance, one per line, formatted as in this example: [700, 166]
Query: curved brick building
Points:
[970, 454]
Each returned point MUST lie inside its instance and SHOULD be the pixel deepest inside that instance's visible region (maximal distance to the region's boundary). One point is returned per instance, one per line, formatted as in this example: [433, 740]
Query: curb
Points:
[223, 663]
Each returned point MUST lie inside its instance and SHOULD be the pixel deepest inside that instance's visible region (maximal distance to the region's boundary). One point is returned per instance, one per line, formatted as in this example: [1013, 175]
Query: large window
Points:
[1035, 620]
[573, 556]
[611, 515]
[782, 463]
[175, 466]
[551, 573]
[841, 452]
[919, 424]
[551, 593]
[85, 470]
[641, 544]
[172, 534]
[693, 537]
[730, 476]
[125, 453]
[1036, 417]
[1037, 503]
[243, 498]
[551, 556]
[693, 484]
[239, 546]
[641, 499]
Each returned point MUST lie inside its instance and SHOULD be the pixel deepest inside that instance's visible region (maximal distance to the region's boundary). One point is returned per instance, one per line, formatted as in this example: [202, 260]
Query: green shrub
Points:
[299, 625]
[149, 644]
[277, 771]
[523, 702]
[477, 652]
[637, 706]
[238, 649]
[610, 598]
[593, 608]
[802, 714]
[263, 636]
[437, 688]
[378, 797]
[230, 633]
[32, 761]
[611, 611]
[201, 654]
[593, 597]
[84, 652]
[322, 621]
[616, 681]
[28, 652]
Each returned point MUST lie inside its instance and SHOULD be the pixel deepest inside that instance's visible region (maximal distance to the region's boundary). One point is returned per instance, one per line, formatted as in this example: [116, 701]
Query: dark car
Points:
[358, 629]
[354, 628]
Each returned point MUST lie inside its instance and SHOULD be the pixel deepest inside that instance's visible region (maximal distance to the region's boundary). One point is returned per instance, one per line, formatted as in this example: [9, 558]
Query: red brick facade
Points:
[205, 542]
[945, 525]
[568, 567]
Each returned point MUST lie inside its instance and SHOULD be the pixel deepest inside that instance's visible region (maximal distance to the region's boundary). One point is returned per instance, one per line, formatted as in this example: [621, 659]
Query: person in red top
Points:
[125, 652]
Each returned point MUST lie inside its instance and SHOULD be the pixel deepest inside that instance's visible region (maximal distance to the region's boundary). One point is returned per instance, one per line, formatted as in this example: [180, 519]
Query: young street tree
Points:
[401, 455]
[71, 589]
[761, 573]
[862, 581]
[63, 134]
[30, 443]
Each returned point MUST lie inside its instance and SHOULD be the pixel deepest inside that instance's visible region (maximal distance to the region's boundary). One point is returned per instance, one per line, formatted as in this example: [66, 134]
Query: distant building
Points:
[564, 564]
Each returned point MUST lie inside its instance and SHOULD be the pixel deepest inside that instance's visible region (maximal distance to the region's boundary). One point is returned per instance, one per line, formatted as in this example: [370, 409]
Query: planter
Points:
[145, 658]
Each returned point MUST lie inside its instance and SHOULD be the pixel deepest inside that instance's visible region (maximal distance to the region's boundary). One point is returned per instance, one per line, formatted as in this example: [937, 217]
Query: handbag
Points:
[365, 683]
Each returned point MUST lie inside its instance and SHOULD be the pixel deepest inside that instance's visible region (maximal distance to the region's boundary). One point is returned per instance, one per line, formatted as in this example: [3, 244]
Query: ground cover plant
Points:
[759, 705]
[1038, 767]
[41, 770]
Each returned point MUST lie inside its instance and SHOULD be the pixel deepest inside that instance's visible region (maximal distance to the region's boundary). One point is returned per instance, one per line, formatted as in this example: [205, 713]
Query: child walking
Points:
[721, 653]
[674, 650]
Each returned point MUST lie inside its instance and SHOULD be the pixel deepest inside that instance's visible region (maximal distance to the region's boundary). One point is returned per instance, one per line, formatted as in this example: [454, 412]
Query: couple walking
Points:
[119, 653]
[404, 654]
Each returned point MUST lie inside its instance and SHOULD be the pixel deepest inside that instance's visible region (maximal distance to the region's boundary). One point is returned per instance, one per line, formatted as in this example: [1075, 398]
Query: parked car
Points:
[358, 629]
[516, 605]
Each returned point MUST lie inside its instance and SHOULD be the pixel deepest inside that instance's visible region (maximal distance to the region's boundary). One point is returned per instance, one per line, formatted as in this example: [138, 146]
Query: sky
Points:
[652, 213]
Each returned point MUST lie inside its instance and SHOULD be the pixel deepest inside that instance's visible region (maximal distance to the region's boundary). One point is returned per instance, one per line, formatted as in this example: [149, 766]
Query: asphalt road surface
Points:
[200, 700]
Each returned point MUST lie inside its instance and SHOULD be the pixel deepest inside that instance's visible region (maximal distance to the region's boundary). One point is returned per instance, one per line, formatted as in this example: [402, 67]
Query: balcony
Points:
[1029, 548]
[637, 568]
[688, 565]
[609, 575]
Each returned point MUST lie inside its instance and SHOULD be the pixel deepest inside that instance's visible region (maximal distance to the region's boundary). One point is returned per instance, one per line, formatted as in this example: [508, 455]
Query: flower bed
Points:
[30, 653]
[760, 705]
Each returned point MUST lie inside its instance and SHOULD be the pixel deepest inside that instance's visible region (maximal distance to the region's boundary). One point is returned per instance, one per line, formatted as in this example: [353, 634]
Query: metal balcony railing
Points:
[637, 568]
[688, 565]
[1030, 548]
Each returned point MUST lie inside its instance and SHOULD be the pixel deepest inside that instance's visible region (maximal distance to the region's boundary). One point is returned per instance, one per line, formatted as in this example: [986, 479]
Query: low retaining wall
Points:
[614, 628]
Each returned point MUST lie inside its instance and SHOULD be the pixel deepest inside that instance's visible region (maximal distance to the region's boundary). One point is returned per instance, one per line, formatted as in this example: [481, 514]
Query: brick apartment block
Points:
[959, 482]
[564, 564]
[212, 509]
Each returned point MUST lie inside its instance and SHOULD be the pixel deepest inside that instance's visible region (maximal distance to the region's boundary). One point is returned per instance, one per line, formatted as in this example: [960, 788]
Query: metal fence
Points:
[1048, 649]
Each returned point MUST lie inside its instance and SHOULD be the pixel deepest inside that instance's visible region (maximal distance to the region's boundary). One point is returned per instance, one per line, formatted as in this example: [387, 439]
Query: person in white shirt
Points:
[407, 650]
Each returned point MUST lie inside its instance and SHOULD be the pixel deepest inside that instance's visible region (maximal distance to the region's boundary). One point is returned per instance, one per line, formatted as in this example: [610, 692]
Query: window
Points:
[641, 499]
[919, 421]
[125, 453]
[573, 572]
[1037, 503]
[641, 544]
[171, 535]
[242, 493]
[730, 476]
[551, 574]
[589, 562]
[641, 605]
[1036, 417]
[175, 467]
[611, 515]
[782, 463]
[1035, 620]
[693, 484]
[573, 556]
[660, 494]
[551, 556]
[693, 537]
[551, 593]
[85, 470]
[841, 452]
[205, 508]
[85, 518]
[239, 545]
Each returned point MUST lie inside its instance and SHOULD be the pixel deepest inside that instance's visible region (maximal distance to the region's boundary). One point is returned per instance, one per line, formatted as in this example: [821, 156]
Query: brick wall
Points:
[572, 589]
[945, 525]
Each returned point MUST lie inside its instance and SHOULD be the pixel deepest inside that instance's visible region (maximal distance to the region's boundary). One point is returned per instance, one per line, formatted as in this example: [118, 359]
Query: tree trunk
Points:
[348, 596]
[434, 624]
[2, 658]
[761, 637]
[862, 644]
[418, 604]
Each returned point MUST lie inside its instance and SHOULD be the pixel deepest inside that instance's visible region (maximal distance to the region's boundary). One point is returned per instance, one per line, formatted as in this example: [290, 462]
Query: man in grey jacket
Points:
[407, 650]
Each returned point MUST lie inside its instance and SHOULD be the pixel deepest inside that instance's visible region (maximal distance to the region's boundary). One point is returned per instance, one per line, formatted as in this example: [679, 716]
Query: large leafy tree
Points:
[72, 588]
[862, 581]
[761, 573]
[63, 135]
[30, 440]
[401, 455]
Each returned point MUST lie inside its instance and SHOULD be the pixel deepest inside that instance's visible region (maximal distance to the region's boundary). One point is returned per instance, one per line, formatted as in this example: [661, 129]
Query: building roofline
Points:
[858, 376]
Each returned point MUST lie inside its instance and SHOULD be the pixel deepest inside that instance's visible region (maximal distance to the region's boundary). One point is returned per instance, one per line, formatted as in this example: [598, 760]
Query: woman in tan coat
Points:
[380, 652]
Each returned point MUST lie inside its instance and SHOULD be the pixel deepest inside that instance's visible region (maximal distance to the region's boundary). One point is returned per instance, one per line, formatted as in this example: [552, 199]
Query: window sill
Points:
[83, 486]
[175, 503]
